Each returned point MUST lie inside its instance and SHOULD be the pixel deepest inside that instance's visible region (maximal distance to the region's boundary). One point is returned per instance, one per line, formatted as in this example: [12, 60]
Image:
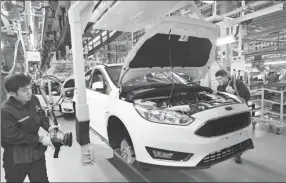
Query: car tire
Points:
[127, 152]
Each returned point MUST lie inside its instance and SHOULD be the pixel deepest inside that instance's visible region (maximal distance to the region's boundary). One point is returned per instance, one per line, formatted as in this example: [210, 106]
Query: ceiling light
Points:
[2, 45]
[208, 2]
[270, 63]
[276, 62]
[225, 40]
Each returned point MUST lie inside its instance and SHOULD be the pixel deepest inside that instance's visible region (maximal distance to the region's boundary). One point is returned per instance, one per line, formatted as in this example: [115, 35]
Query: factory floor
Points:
[265, 163]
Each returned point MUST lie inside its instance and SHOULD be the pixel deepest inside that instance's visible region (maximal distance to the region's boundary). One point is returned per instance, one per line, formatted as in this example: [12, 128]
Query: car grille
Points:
[225, 154]
[225, 125]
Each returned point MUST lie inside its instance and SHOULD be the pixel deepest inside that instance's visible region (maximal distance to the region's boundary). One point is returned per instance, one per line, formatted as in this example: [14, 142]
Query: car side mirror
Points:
[98, 86]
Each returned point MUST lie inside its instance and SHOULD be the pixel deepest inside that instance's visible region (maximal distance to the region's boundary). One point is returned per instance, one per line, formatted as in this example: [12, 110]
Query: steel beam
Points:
[95, 35]
[274, 22]
[238, 10]
[269, 17]
[261, 40]
[112, 38]
[262, 33]
[266, 52]
[272, 9]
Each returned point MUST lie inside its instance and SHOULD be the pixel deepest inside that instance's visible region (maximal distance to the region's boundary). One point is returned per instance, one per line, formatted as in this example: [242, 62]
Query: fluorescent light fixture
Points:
[276, 62]
[270, 63]
[225, 40]
[2, 45]
[209, 2]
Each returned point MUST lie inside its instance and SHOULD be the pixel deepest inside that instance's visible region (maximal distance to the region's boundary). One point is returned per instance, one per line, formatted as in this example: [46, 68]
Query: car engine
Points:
[188, 104]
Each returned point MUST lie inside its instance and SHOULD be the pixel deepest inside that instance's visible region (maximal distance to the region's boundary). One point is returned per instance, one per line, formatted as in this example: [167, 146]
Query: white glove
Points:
[46, 141]
[54, 127]
[229, 89]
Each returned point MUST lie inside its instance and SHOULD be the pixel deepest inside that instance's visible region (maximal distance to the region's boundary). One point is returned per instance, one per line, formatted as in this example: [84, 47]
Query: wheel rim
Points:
[127, 152]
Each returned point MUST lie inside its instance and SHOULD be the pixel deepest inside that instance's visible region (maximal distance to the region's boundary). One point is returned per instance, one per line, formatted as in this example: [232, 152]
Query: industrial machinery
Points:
[57, 136]
[11, 17]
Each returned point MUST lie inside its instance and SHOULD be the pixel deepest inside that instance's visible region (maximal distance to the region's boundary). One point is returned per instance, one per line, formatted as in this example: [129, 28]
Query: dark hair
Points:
[221, 73]
[14, 82]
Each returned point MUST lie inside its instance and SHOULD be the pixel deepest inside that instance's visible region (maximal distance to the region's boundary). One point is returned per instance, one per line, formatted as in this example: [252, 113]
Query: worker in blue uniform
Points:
[21, 118]
[226, 84]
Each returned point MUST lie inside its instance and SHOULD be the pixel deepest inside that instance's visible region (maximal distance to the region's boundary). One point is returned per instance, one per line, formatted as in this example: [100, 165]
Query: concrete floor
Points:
[266, 163]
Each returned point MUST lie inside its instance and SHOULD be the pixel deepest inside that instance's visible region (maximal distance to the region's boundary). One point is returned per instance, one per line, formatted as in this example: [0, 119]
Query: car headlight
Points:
[163, 116]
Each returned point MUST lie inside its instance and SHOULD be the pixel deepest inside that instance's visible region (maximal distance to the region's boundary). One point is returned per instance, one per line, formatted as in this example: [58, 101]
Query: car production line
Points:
[264, 163]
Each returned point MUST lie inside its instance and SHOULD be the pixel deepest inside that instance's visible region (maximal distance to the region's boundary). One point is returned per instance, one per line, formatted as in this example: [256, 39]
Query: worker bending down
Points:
[226, 84]
[21, 118]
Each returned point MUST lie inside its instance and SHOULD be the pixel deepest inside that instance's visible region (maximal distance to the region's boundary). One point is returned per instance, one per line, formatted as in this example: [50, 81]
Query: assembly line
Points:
[174, 101]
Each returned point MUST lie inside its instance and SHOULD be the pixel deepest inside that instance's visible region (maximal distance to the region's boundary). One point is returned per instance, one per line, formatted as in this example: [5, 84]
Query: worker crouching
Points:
[21, 118]
[226, 84]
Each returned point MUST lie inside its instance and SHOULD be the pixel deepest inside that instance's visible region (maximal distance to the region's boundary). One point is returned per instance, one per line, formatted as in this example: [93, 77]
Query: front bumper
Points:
[211, 159]
[183, 139]
[207, 151]
[67, 107]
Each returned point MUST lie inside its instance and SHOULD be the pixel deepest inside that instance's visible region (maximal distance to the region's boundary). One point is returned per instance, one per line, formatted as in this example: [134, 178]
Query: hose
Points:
[44, 95]
[20, 39]
[62, 89]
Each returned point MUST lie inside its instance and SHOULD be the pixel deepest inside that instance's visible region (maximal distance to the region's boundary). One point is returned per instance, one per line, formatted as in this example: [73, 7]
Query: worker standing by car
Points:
[226, 84]
[21, 118]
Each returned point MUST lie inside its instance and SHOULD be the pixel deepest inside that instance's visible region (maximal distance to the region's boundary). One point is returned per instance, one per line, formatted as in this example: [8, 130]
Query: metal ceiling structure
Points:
[30, 17]
[263, 20]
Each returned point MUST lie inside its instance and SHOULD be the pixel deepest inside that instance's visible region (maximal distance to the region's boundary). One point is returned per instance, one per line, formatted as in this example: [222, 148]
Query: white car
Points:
[67, 107]
[154, 116]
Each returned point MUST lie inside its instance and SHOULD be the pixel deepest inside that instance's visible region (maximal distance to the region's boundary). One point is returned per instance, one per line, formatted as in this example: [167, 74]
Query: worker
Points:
[21, 118]
[226, 84]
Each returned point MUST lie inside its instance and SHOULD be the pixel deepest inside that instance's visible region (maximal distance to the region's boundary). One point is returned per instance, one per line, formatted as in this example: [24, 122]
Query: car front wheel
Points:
[127, 151]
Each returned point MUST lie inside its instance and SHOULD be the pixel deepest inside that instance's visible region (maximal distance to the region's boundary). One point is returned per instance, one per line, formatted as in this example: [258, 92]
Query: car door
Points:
[97, 102]
[87, 84]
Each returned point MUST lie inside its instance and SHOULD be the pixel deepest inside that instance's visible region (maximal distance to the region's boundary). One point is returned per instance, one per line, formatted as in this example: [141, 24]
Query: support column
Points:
[116, 53]
[63, 15]
[60, 24]
[81, 107]
[227, 61]
[98, 149]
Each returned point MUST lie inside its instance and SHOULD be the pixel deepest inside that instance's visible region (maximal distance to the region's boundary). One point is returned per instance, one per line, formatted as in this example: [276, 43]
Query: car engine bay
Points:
[187, 103]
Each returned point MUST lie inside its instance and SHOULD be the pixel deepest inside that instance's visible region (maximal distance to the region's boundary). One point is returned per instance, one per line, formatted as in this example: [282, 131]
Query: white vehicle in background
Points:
[149, 114]
[67, 108]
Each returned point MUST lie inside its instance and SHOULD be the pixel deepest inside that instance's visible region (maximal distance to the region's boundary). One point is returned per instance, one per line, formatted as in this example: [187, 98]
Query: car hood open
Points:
[188, 45]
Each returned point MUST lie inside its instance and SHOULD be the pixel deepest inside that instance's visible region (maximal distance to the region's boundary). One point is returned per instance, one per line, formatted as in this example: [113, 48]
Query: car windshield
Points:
[114, 73]
[154, 78]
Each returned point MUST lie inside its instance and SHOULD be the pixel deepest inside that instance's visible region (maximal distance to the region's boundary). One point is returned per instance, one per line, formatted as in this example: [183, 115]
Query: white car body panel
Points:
[176, 26]
[144, 133]
[174, 138]
[170, 137]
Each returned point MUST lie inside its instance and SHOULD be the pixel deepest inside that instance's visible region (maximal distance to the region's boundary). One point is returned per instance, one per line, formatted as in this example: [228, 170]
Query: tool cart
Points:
[254, 104]
[273, 106]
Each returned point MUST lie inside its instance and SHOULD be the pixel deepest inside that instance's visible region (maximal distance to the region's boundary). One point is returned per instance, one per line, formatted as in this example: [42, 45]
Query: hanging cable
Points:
[19, 40]
[171, 65]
